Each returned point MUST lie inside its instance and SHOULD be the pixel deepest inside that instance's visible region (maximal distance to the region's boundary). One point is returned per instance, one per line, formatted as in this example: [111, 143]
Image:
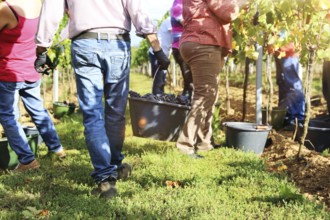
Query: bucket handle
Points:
[261, 127]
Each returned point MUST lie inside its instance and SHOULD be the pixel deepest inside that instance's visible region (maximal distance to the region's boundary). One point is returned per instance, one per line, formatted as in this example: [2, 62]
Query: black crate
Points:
[157, 120]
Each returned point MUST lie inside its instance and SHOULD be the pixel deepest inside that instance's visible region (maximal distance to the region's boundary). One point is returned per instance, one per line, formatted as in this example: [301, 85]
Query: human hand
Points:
[162, 60]
[43, 64]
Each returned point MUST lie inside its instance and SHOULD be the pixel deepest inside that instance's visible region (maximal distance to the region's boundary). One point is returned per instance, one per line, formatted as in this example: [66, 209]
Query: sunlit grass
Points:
[226, 184]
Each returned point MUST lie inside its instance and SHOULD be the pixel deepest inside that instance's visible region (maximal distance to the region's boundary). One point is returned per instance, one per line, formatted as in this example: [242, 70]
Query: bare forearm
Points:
[153, 42]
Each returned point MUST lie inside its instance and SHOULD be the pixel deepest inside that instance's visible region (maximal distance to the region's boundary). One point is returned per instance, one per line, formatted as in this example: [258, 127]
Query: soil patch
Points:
[311, 172]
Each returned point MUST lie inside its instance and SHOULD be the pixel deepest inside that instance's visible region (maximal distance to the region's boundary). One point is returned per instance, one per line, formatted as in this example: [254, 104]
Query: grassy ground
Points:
[227, 184]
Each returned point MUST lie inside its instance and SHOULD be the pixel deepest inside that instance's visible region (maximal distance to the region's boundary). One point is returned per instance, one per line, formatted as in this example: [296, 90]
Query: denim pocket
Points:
[83, 61]
[120, 66]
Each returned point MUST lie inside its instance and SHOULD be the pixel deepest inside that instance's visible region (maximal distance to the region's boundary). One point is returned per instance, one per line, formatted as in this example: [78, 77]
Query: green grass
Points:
[227, 184]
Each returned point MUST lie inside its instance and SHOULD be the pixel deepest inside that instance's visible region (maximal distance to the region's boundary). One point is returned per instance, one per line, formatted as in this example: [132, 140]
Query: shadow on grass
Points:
[146, 146]
[247, 169]
[281, 199]
[248, 165]
[71, 132]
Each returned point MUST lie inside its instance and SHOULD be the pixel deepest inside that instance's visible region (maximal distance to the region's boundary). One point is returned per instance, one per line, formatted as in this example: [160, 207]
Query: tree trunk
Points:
[227, 91]
[246, 80]
[270, 92]
[308, 89]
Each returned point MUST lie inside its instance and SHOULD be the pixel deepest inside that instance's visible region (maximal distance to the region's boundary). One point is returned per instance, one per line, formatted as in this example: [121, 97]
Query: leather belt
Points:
[103, 36]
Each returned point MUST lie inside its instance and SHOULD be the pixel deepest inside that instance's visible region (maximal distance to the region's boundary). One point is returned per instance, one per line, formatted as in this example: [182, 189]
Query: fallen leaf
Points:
[172, 184]
[43, 212]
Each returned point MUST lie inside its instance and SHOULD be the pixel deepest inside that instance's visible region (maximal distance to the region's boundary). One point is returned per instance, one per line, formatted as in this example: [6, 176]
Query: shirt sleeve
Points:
[140, 17]
[52, 12]
[225, 10]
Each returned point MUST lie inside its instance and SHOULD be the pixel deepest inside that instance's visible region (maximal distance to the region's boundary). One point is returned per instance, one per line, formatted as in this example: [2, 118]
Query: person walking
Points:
[101, 55]
[205, 41]
[177, 28]
[18, 78]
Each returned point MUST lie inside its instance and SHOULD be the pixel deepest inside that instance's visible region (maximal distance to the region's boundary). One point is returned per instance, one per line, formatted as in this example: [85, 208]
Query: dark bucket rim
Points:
[247, 126]
[160, 102]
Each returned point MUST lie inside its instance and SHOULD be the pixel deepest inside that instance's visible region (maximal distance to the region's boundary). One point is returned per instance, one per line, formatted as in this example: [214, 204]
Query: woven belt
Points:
[102, 36]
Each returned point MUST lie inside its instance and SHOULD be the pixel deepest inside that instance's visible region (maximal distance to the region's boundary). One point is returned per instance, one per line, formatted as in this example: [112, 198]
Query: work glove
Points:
[43, 64]
[162, 60]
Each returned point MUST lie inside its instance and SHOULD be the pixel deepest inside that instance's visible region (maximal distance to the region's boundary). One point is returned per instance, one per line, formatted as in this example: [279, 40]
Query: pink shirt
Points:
[176, 17]
[17, 51]
[208, 22]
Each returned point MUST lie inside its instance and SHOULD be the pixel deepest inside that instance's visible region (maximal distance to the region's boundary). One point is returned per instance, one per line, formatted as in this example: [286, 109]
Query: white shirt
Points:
[113, 16]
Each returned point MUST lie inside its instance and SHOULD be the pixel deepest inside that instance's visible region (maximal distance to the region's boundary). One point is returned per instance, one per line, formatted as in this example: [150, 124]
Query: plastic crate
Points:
[8, 158]
[157, 120]
[318, 135]
[61, 108]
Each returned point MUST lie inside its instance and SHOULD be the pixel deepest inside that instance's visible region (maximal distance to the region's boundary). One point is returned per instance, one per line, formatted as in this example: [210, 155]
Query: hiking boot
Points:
[24, 167]
[124, 171]
[57, 155]
[61, 154]
[106, 189]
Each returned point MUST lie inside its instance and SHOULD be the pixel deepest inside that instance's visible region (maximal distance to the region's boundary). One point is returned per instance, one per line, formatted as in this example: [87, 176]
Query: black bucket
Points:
[157, 120]
[277, 117]
[318, 135]
[247, 136]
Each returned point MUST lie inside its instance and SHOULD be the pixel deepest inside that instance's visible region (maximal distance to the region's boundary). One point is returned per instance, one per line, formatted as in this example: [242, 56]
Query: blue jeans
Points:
[159, 76]
[9, 114]
[291, 93]
[102, 71]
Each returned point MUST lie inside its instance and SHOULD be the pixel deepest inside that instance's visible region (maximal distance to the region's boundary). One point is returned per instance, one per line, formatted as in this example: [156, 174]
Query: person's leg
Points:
[116, 81]
[89, 70]
[186, 72]
[9, 120]
[282, 87]
[33, 103]
[158, 76]
[153, 63]
[205, 62]
[294, 97]
[159, 81]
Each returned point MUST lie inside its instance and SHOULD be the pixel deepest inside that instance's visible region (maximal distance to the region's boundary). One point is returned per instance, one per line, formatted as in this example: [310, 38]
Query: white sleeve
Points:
[50, 17]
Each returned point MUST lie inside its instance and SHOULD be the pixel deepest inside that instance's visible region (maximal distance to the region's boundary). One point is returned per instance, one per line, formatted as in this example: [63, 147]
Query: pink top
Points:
[208, 22]
[17, 51]
[176, 17]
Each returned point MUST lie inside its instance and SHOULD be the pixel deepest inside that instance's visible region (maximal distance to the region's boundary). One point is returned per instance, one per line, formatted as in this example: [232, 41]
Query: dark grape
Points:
[168, 98]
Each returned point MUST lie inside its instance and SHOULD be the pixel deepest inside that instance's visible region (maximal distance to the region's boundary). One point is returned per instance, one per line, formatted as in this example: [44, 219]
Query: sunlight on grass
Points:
[227, 184]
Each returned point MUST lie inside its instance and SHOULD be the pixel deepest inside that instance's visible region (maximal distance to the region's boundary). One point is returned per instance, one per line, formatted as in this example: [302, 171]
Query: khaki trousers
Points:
[206, 63]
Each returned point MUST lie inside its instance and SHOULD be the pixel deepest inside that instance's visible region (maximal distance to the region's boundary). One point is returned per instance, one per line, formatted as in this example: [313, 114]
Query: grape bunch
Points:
[134, 94]
[168, 98]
